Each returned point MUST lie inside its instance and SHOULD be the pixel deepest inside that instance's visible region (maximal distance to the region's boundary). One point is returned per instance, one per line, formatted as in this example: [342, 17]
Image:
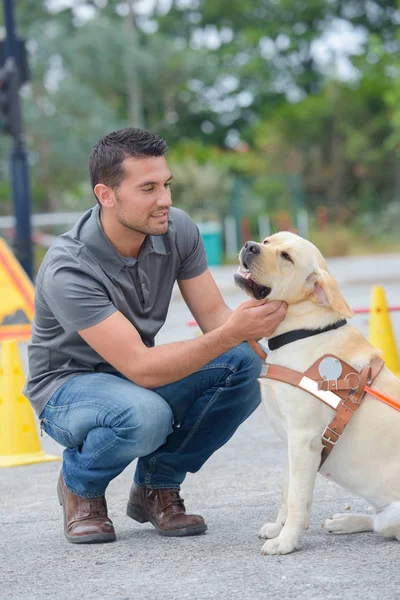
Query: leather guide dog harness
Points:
[333, 382]
[343, 395]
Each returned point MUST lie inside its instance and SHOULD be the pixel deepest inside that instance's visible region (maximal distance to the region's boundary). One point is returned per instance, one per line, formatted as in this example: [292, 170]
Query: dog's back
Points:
[367, 459]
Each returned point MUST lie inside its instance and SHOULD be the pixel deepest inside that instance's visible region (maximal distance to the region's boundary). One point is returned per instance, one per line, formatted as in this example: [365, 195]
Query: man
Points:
[99, 385]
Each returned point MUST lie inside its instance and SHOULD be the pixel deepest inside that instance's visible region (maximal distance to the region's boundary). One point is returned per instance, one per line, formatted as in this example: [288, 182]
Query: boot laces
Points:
[93, 507]
[172, 499]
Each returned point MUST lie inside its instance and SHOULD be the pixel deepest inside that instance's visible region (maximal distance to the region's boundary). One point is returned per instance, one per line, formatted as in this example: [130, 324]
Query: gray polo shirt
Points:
[83, 280]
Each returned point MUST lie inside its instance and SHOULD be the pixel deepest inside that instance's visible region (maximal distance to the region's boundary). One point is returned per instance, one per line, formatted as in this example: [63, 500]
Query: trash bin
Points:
[211, 233]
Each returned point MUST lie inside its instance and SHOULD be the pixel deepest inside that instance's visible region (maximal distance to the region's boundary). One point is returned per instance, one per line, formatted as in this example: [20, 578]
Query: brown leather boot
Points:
[85, 519]
[165, 510]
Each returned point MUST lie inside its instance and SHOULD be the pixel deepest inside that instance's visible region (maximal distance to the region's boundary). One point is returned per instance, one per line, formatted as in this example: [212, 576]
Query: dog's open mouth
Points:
[244, 279]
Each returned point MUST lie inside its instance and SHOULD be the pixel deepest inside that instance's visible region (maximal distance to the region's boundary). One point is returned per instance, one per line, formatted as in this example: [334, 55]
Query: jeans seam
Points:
[150, 472]
[195, 427]
[97, 405]
[66, 405]
[191, 433]
[218, 366]
[62, 431]
[96, 454]
[169, 486]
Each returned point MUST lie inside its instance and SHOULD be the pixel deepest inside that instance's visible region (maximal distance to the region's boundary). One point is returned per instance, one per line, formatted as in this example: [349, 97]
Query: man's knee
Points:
[247, 362]
[155, 429]
[146, 423]
[249, 366]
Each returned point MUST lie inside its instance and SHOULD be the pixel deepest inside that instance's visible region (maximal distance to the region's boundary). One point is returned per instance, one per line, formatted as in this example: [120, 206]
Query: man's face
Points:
[143, 198]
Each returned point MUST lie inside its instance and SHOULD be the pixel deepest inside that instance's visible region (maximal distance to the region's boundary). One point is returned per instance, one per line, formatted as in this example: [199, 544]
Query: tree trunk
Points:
[134, 87]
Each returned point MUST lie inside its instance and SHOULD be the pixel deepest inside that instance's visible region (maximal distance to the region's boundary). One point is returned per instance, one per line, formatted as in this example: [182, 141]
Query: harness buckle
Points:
[328, 440]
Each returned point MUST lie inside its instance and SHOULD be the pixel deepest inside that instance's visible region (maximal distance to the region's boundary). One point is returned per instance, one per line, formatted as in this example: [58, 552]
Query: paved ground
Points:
[236, 491]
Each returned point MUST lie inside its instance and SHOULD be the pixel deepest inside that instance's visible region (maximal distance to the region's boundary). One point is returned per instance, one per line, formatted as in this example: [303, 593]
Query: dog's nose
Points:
[252, 247]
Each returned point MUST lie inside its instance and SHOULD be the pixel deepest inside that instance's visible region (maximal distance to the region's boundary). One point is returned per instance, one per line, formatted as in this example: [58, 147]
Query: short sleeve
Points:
[76, 299]
[191, 249]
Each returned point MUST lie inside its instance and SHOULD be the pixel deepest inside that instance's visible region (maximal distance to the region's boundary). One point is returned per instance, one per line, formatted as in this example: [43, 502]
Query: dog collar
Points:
[298, 334]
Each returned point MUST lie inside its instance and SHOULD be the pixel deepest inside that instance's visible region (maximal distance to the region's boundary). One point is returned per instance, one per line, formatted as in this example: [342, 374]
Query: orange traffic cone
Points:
[19, 439]
[380, 330]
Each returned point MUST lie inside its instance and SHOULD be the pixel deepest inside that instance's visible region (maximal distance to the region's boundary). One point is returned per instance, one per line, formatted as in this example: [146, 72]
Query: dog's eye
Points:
[265, 242]
[287, 256]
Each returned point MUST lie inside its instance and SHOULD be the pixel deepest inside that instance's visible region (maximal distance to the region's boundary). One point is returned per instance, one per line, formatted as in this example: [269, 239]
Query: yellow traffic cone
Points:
[380, 330]
[19, 439]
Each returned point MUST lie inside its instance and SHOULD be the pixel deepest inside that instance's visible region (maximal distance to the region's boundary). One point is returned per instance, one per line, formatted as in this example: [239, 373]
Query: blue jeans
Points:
[106, 421]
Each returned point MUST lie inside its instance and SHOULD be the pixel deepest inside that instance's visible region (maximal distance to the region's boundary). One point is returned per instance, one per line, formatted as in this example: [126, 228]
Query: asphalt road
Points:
[237, 491]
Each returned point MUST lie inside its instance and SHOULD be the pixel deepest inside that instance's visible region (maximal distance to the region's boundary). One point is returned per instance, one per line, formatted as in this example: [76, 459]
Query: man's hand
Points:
[254, 319]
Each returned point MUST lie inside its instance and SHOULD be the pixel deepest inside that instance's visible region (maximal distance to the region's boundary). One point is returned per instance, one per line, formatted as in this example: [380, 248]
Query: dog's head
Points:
[287, 267]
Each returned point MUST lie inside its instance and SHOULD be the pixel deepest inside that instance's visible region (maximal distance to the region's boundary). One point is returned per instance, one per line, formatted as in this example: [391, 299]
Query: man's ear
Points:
[104, 194]
[325, 292]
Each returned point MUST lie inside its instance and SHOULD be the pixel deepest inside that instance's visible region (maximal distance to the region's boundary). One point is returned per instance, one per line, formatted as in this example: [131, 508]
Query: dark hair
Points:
[105, 161]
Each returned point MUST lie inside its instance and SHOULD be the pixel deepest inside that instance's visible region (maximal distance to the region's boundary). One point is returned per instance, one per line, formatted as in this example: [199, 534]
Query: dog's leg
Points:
[387, 521]
[304, 460]
[349, 523]
[272, 530]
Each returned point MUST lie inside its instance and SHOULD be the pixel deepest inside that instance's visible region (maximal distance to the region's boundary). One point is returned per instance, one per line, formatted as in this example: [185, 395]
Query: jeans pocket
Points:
[61, 436]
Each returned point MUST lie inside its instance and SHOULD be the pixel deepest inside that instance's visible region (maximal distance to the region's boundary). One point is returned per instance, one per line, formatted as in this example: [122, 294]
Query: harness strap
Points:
[303, 381]
[258, 349]
[343, 395]
[347, 408]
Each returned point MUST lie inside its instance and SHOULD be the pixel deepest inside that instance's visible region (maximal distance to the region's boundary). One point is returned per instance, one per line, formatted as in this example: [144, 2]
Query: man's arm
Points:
[205, 301]
[120, 344]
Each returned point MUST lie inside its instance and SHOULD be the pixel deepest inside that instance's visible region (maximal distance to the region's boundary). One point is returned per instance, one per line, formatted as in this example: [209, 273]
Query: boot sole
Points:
[92, 538]
[138, 516]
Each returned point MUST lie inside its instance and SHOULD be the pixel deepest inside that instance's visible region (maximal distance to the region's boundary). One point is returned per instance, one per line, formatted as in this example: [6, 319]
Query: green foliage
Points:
[236, 89]
[383, 224]
[202, 190]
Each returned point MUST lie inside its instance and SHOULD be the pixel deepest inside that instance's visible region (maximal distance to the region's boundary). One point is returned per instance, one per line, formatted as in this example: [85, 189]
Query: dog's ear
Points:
[325, 292]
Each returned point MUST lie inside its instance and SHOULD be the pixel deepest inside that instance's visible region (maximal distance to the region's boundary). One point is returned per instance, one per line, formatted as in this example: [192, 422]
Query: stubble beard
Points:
[138, 227]
[142, 228]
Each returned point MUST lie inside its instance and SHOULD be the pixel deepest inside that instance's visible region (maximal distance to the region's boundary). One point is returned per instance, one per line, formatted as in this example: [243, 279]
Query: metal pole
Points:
[11, 39]
[20, 186]
[19, 164]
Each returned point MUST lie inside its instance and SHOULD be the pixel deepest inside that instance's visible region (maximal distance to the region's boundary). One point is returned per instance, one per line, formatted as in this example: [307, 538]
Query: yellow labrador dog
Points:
[366, 459]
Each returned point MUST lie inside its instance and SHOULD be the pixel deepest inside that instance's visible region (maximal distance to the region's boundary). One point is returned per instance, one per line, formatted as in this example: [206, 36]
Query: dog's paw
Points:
[348, 523]
[283, 544]
[270, 531]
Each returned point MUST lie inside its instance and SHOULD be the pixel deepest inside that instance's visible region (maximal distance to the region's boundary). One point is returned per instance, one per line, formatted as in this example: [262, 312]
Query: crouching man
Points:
[99, 384]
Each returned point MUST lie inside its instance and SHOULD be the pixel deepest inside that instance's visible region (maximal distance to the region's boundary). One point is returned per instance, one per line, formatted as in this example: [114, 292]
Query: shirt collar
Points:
[157, 243]
[93, 236]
